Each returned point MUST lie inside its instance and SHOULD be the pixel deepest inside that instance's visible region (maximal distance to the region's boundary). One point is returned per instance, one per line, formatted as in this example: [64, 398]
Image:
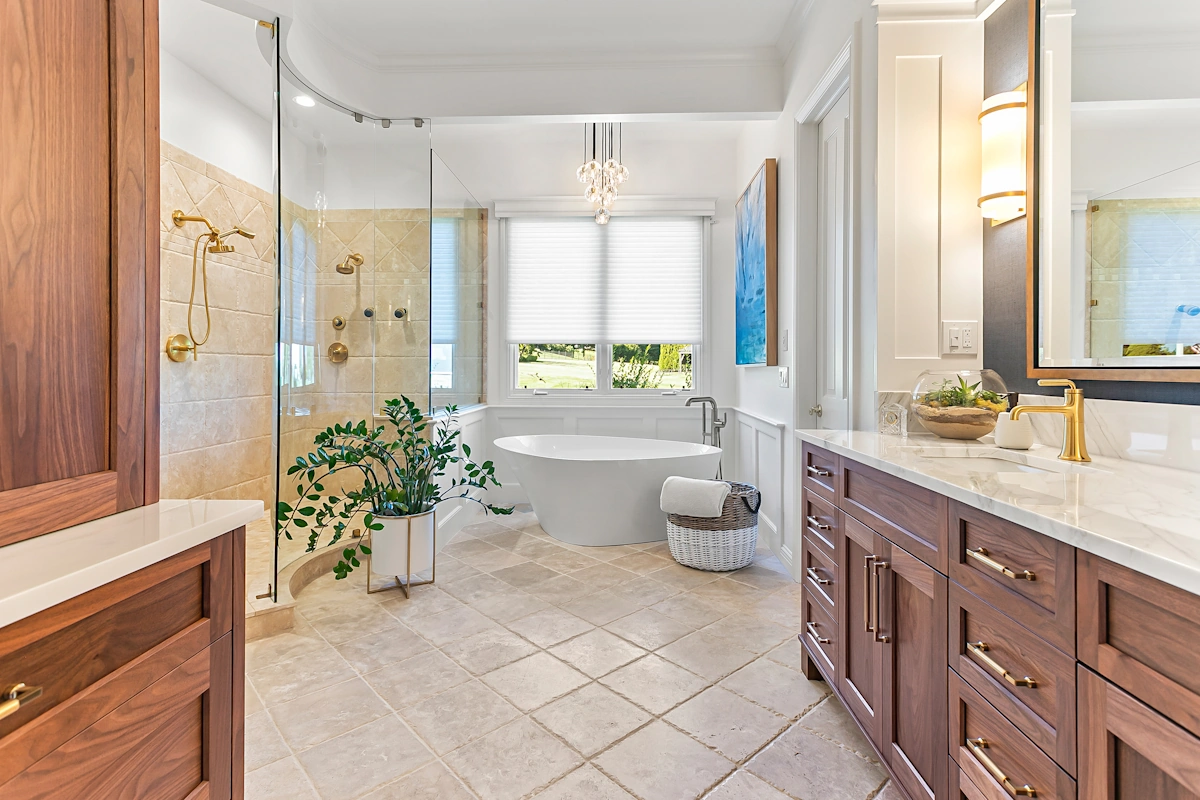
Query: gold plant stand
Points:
[408, 581]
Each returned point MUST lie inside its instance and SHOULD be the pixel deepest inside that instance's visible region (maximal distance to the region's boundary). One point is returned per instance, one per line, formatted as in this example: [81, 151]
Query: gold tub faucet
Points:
[1074, 447]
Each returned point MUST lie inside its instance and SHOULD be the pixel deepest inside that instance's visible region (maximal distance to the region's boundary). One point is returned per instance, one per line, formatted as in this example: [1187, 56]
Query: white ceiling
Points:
[221, 46]
[420, 33]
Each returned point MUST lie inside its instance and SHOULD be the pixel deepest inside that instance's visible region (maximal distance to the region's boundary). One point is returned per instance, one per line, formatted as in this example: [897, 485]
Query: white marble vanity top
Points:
[1143, 516]
[44, 571]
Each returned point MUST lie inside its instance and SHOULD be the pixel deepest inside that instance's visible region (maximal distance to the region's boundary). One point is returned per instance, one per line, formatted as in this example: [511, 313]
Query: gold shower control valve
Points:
[338, 352]
[178, 347]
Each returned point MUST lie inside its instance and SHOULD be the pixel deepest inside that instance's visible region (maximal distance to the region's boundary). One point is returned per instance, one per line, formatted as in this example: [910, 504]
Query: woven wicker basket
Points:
[718, 544]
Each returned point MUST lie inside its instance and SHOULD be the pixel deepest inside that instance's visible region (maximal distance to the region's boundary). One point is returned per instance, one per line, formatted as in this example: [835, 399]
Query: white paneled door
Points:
[833, 268]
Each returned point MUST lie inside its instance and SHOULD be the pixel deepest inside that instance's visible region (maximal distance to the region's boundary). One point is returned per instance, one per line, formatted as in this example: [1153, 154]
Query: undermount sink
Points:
[996, 460]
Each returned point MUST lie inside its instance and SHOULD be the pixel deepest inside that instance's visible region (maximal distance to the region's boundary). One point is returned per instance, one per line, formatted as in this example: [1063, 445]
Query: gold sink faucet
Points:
[1074, 447]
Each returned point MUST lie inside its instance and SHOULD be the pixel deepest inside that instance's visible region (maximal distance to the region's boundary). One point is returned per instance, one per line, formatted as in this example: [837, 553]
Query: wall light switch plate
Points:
[783, 377]
[960, 337]
[785, 341]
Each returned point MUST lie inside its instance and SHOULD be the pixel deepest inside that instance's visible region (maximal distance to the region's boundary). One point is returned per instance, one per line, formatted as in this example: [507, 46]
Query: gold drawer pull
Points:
[981, 555]
[811, 627]
[816, 523]
[977, 747]
[14, 696]
[815, 577]
[979, 650]
[878, 627]
[820, 473]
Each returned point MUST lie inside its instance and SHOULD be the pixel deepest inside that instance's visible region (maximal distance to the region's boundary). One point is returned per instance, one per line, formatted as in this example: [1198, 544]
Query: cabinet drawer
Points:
[820, 638]
[980, 734]
[1029, 681]
[821, 522]
[907, 515]
[1129, 752]
[1141, 634]
[1028, 575]
[820, 578]
[822, 472]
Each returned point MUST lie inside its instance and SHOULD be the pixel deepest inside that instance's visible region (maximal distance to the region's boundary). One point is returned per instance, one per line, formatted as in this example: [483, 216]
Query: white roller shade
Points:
[555, 281]
[655, 276]
[637, 280]
[443, 280]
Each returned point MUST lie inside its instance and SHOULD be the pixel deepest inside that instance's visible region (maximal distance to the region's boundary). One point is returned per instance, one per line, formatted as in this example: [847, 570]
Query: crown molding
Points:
[933, 10]
[793, 28]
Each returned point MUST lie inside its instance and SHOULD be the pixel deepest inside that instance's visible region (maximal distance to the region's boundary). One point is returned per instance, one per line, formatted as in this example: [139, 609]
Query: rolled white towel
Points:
[693, 498]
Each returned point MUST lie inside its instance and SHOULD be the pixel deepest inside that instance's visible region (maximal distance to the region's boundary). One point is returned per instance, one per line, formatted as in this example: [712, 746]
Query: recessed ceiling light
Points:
[304, 100]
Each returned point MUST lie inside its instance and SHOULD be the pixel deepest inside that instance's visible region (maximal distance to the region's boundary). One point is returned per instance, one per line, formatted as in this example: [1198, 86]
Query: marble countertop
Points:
[1142, 516]
[44, 571]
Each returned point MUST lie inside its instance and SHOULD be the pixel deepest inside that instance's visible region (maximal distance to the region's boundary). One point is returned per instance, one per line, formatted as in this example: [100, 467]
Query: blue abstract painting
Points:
[751, 295]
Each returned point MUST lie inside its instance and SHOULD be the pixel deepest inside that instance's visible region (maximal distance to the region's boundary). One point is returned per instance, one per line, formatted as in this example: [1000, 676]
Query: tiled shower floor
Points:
[536, 669]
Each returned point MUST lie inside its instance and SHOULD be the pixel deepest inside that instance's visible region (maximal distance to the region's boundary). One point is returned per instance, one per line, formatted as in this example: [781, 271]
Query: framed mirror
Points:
[1114, 222]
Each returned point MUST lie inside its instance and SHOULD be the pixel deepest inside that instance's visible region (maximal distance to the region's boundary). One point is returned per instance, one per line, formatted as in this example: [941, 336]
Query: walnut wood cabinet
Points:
[78, 262]
[986, 661]
[142, 686]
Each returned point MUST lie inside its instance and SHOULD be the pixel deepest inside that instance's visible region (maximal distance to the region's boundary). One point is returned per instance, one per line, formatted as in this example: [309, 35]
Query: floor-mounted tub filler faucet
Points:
[710, 432]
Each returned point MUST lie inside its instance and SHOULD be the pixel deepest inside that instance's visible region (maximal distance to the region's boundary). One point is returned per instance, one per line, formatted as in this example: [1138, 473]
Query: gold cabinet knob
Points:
[338, 352]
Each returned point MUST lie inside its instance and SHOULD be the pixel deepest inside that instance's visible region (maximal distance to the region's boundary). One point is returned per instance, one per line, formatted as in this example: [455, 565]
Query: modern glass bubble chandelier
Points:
[604, 172]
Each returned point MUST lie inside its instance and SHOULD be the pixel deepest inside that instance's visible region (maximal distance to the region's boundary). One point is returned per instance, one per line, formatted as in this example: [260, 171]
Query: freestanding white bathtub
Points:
[603, 490]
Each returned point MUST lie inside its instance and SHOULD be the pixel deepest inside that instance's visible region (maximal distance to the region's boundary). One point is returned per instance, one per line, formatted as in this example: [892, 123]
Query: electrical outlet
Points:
[960, 337]
[783, 377]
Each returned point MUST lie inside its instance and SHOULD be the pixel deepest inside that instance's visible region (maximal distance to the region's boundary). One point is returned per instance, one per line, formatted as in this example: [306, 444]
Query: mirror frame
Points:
[1033, 245]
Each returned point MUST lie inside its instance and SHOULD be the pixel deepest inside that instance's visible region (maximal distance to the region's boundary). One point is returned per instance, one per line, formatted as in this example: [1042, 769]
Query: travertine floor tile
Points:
[313, 718]
[644, 591]
[407, 683]
[568, 561]
[301, 641]
[777, 687]
[729, 593]
[660, 763]
[585, 783]
[831, 720]
[591, 718]
[450, 626]
[603, 576]
[648, 629]
[476, 587]
[369, 653]
[344, 626]
[525, 575]
[640, 562]
[488, 650]
[789, 654]
[706, 655]
[364, 758]
[425, 602]
[600, 608]
[654, 683]
[682, 577]
[549, 627]
[597, 653]
[561, 589]
[510, 605]
[690, 610]
[513, 761]
[744, 786]
[534, 681]
[432, 782]
[280, 780]
[456, 716]
[804, 765]
[732, 725]
[264, 745]
[288, 680]
[749, 632]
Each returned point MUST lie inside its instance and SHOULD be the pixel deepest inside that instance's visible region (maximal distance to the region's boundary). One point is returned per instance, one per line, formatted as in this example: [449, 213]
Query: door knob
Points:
[816, 410]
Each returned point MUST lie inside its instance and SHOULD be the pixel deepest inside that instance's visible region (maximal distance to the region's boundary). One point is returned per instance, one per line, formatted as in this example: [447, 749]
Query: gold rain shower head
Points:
[347, 267]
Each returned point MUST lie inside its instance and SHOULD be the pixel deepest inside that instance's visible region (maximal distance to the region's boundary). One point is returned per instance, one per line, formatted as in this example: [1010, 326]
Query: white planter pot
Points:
[390, 547]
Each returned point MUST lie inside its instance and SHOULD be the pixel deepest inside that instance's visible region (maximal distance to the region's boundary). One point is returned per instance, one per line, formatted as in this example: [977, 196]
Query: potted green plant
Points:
[396, 482]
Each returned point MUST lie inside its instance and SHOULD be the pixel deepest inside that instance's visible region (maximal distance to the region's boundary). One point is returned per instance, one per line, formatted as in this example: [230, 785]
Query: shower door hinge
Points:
[266, 594]
[269, 26]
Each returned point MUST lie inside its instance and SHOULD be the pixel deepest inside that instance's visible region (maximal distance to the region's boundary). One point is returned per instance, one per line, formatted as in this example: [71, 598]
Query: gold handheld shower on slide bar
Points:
[180, 344]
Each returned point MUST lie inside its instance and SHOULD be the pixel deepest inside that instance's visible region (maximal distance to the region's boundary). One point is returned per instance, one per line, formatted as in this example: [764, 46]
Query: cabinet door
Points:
[912, 611]
[861, 677]
[1127, 751]
[78, 262]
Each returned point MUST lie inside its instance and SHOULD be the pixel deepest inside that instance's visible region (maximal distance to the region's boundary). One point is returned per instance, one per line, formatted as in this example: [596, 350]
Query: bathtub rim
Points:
[687, 449]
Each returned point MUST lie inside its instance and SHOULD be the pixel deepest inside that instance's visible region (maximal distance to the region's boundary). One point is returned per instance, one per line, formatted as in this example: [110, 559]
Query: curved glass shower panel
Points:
[458, 291]
[401, 230]
[354, 232]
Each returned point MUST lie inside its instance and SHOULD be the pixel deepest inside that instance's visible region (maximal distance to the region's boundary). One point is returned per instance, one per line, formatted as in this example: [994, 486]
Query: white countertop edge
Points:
[231, 515]
[1130, 556]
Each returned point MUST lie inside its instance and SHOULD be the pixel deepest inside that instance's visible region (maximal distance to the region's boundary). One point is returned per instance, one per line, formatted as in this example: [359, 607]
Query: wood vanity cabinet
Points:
[142, 686]
[79, 265]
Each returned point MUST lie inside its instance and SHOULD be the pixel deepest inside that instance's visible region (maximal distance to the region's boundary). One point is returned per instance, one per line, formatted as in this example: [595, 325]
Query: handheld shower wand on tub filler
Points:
[710, 433]
[180, 344]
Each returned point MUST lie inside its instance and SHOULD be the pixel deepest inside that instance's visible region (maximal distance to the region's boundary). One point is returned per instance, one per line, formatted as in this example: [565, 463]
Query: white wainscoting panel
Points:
[453, 515]
[760, 455]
